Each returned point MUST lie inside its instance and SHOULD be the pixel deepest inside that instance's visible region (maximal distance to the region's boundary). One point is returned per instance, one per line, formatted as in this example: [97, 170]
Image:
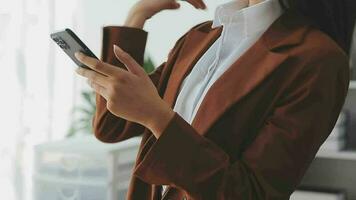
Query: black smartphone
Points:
[70, 43]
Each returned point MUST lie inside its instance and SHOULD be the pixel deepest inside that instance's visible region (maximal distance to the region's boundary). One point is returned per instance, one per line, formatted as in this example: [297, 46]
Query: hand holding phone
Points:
[70, 43]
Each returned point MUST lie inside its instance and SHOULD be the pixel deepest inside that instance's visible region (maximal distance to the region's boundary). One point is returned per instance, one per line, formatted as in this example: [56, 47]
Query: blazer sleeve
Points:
[273, 164]
[106, 126]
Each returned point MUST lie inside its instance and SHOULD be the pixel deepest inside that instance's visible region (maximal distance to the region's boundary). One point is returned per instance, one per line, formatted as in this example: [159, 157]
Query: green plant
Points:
[148, 65]
[86, 112]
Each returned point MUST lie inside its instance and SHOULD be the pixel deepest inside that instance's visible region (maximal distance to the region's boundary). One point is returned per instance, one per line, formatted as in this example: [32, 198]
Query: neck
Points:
[253, 2]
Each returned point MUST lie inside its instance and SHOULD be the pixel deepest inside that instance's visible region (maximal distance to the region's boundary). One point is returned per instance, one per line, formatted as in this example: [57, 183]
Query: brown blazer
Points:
[259, 126]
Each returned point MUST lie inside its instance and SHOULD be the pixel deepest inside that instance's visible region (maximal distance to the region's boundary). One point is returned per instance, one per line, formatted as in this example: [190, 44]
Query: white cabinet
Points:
[83, 168]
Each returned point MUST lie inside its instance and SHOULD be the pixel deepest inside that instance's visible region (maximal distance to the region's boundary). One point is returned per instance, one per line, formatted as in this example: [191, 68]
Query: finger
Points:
[93, 76]
[96, 64]
[128, 61]
[98, 89]
[173, 5]
[197, 3]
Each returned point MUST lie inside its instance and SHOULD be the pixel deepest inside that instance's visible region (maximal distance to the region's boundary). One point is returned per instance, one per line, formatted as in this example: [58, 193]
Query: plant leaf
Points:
[148, 65]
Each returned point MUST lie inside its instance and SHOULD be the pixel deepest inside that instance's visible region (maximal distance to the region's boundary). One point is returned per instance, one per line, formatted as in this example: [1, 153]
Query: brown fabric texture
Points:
[259, 126]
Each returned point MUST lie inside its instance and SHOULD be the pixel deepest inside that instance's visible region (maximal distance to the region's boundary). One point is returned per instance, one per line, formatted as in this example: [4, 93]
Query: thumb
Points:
[130, 63]
[197, 3]
[173, 5]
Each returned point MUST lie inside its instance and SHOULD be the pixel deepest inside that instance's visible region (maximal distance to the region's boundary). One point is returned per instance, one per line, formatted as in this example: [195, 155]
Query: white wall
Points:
[164, 29]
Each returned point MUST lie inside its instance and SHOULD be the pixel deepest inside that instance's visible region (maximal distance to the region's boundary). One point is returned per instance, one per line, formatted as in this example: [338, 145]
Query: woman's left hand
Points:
[129, 94]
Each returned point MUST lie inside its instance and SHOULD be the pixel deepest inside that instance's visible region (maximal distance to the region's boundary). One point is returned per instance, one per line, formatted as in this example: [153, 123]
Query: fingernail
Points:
[78, 70]
[117, 48]
[79, 55]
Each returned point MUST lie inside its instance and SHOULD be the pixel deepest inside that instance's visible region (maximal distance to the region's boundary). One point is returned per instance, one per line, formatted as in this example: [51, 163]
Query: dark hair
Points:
[334, 17]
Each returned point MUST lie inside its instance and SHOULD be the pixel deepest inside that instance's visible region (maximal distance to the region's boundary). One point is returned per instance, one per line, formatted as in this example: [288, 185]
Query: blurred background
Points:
[47, 150]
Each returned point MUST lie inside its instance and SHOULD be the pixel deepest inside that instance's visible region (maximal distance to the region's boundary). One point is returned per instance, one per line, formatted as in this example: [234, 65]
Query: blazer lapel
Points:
[250, 69]
[195, 45]
[235, 83]
[244, 75]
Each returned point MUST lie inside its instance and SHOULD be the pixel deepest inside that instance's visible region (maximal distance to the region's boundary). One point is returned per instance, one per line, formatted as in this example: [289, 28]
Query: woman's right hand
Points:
[145, 9]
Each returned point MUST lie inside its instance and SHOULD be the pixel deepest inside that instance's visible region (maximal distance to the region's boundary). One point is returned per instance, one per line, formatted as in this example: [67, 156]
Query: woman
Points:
[238, 110]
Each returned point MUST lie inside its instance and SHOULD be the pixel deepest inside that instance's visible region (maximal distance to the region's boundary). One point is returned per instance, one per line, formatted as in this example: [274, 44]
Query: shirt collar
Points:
[254, 18]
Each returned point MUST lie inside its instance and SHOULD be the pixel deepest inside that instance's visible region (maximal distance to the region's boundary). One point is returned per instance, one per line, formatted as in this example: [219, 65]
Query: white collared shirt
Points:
[242, 27]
